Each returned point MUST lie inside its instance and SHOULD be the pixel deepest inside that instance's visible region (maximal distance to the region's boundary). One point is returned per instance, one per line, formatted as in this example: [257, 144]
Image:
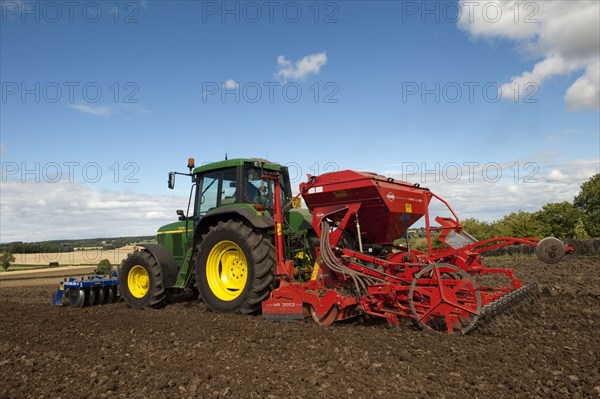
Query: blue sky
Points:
[158, 75]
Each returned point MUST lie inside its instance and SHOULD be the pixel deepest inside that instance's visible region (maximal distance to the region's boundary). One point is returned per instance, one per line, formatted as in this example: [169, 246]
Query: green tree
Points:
[519, 224]
[588, 202]
[5, 259]
[104, 267]
[479, 229]
[580, 231]
[559, 219]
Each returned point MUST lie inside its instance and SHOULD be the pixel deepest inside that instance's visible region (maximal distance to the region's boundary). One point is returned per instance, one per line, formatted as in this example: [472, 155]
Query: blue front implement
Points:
[91, 283]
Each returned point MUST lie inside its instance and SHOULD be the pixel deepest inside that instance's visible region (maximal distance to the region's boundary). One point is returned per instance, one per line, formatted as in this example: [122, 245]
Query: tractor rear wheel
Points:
[235, 268]
[140, 281]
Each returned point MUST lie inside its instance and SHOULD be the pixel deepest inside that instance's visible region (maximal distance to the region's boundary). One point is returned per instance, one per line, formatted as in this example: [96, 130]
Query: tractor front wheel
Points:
[235, 268]
[140, 281]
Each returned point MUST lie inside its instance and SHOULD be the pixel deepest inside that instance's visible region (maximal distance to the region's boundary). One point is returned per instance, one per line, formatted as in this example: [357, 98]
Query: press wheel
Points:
[326, 320]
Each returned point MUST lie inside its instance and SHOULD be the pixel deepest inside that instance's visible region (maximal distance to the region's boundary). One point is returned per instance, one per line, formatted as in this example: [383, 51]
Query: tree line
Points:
[56, 246]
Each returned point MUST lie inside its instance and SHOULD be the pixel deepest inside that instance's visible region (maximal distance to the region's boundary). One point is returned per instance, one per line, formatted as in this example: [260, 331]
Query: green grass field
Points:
[23, 267]
[17, 267]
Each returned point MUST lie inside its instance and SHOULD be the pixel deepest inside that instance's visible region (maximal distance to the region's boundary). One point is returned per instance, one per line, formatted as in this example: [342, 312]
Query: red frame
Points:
[341, 197]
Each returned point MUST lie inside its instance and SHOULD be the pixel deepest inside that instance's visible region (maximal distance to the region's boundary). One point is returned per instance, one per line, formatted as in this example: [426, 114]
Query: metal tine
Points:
[515, 312]
[508, 314]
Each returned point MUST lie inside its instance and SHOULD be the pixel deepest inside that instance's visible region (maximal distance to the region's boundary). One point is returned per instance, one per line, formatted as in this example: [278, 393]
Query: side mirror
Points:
[180, 214]
[171, 180]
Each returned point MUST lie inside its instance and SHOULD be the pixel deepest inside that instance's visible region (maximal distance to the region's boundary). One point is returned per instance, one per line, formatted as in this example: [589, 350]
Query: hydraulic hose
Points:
[361, 281]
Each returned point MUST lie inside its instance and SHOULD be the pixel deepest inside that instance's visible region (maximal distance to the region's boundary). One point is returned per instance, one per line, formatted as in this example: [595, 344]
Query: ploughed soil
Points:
[550, 348]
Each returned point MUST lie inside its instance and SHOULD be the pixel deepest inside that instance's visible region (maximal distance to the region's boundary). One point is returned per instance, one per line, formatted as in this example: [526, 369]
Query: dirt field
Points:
[550, 351]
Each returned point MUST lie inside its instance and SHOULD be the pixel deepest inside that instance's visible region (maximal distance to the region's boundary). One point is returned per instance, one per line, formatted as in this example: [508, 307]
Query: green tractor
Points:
[222, 248]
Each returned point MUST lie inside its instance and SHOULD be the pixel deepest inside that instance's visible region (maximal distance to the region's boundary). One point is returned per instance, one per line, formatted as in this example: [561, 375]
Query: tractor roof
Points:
[238, 161]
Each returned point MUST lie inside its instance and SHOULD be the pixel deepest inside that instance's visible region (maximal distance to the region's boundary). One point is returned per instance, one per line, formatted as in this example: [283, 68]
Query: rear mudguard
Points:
[168, 267]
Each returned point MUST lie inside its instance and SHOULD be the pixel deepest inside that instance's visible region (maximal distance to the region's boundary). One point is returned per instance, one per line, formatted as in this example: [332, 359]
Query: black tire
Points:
[259, 254]
[156, 296]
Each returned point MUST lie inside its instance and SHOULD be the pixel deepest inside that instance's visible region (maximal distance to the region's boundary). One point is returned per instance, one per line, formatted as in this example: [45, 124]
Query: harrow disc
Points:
[110, 294]
[445, 298]
[76, 297]
[90, 296]
[550, 250]
[100, 296]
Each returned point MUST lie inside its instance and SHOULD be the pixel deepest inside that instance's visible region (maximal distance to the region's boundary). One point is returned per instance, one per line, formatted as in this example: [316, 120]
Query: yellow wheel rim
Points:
[226, 270]
[138, 281]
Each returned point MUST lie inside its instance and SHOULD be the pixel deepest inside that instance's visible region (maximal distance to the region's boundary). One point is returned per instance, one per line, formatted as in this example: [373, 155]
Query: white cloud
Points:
[71, 210]
[96, 110]
[543, 70]
[489, 200]
[565, 35]
[555, 175]
[231, 84]
[585, 92]
[299, 70]
[154, 215]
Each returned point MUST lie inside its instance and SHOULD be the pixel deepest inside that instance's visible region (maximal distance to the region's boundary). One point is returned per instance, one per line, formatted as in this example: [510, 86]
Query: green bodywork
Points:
[173, 237]
[239, 162]
[179, 238]
[298, 218]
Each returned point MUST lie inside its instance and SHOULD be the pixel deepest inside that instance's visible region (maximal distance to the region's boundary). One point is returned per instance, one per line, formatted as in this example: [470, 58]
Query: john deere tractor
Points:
[222, 248]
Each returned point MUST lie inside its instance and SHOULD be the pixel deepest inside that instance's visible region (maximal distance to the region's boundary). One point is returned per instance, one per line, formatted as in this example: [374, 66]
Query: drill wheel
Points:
[444, 298]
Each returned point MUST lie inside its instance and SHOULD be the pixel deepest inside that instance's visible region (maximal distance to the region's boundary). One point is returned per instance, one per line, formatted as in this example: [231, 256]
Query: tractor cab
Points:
[238, 182]
[235, 185]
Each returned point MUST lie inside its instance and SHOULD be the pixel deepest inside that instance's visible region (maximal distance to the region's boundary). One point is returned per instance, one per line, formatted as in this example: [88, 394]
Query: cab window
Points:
[258, 191]
[216, 189]
[229, 189]
[208, 193]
